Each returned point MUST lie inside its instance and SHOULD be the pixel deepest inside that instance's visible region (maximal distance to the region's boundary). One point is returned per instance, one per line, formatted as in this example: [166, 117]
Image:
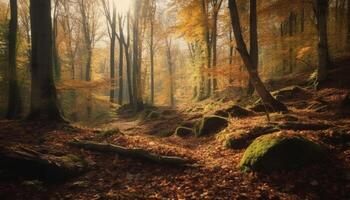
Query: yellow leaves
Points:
[78, 84]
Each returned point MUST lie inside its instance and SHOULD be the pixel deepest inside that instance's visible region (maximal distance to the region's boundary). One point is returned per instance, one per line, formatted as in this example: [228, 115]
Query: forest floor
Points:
[216, 175]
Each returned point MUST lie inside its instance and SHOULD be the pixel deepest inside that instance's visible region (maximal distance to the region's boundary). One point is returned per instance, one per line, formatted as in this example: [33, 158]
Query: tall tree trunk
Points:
[112, 57]
[216, 4]
[348, 25]
[43, 92]
[121, 63]
[152, 61]
[171, 74]
[254, 51]
[56, 58]
[126, 43]
[205, 16]
[321, 9]
[230, 60]
[137, 100]
[247, 59]
[14, 100]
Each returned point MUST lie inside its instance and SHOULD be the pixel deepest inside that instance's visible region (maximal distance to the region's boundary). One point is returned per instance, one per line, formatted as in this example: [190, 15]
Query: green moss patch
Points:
[210, 125]
[276, 152]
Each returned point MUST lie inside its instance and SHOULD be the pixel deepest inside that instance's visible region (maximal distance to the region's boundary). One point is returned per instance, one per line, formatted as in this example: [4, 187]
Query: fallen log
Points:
[133, 153]
[28, 162]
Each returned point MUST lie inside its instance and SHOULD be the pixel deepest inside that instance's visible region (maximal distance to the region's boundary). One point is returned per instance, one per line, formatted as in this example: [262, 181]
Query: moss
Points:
[183, 131]
[275, 152]
[73, 161]
[210, 125]
[110, 133]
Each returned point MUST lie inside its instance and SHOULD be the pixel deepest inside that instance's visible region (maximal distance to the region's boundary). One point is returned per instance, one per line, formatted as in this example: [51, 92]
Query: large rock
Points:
[243, 138]
[234, 111]
[184, 131]
[277, 152]
[261, 107]
[210, 125]
[288, 93]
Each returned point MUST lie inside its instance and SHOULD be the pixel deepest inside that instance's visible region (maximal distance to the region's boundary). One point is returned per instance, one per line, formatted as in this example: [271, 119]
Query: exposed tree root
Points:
[133, 153]
[28, 162]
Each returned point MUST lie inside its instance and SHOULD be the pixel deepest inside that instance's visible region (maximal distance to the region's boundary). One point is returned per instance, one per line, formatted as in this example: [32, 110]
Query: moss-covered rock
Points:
[234, 111]
[288, 93]
[261, 107]
[110, 132]
[277, 152]
[184, 131]
[243, 138]
[210, 125]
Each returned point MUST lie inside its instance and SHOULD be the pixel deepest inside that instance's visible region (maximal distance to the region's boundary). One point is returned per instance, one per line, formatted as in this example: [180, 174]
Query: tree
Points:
[126, 43]
[168, 44]
[321, 10]
[216, 5]
[137, 93]
[43, 92]
[248, 60]
[14, 100]
[152, 11]
[254, 51]
[56, 57]
[121, 59]
[112, 23]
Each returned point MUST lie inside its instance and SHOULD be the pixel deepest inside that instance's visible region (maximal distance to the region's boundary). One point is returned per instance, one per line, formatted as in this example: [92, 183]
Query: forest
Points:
[174, 99]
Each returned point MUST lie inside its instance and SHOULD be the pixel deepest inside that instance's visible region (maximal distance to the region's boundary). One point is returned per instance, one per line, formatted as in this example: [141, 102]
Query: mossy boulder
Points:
[234, 111]
[276, 152]
[184, 131]
[110, 132]
[288, 93]
[210, 125]
[261, 107]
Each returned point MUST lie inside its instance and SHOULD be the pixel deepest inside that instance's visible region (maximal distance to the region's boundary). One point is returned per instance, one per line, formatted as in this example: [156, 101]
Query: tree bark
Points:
[254, 51]
[56, 57]
[121, 63]
[14, 100]
[43, 92]
[321, 9]
[137, 96]
[126, 43]
[171, 74]
[112, 58]
[152, 57]
[253, 74]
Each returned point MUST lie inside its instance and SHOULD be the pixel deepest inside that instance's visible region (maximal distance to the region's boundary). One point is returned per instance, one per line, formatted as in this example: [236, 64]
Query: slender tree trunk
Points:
[230, 60]
[321, 9]
[43, 92]
[112, 58]
[348, 25]
[56, 58]
[247, 59]
[121, 63]
[14, 100]
[128, 75]
[152, 62]
[204, 10]
[171, 74]
[214, 41]
[254, 51]
[138, 102]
